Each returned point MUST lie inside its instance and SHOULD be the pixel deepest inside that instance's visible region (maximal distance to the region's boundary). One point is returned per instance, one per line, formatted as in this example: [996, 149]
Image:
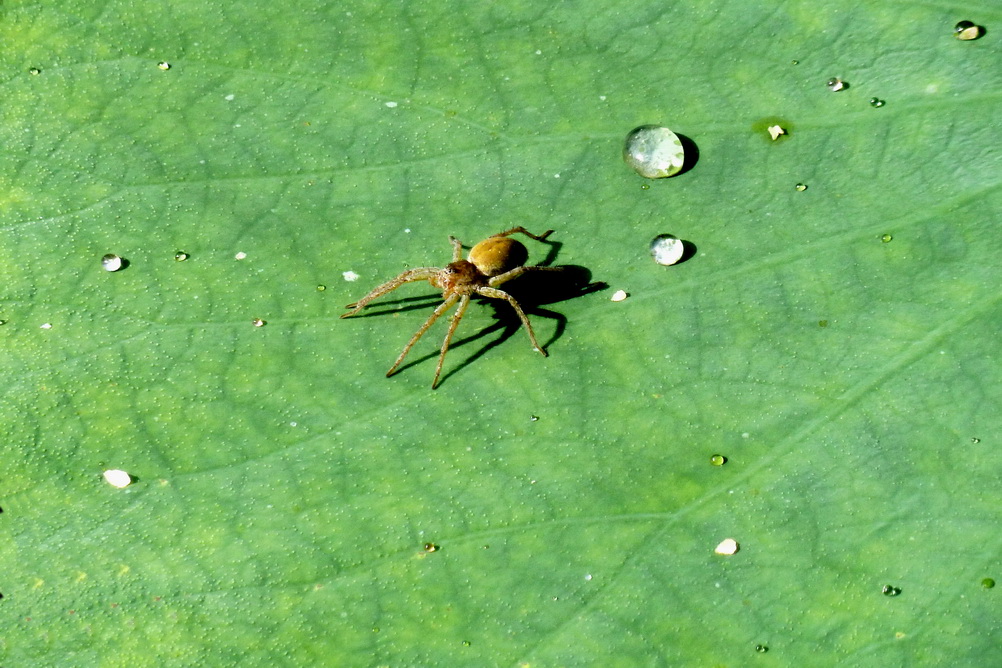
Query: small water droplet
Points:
[886, 238]
[258, 322]
[727, 547]
[967, 30]
[430, 547]
[761, 649]
[2, 323]
[46, 325]
[112, 262]
[645, 186]
[667, 249]
[533, 418]
[794, 62]
[466, 643]
[240, 256]
[654, 152]
[988, 583]
[718, 460]
[164, 65]
[890, 590]
[876, 102]
[975, 440]
[835, 84]
[620, 295]
[801, 187]
[321, 288]
[117, 478]
[181, 256]
[34, 71]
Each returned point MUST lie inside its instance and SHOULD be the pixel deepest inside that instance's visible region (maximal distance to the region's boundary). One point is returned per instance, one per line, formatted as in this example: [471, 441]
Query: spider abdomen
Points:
[496, 255]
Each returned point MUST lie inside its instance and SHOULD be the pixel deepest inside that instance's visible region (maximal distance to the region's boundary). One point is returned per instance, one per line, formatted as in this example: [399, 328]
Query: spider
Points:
[495, 260]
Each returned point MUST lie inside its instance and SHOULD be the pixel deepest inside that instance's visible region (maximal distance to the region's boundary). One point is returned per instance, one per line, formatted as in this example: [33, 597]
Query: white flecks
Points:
[117, 478]
[240, 256]
[619, 295]
[775, 131]
[350, 276]
[727, 547]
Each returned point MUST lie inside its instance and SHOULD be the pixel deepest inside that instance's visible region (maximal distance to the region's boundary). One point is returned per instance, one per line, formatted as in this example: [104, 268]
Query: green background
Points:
[285, 489]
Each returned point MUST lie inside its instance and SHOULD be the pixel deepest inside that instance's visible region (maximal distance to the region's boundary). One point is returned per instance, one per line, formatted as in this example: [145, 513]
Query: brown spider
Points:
[495, 260]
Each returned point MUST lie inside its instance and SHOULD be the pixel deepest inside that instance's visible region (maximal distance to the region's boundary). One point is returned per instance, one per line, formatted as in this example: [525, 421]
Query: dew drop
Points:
[117, 478]
[112, 262]
[718, 460]
[533, 418]
[34, 71]
[965, 31]
[988, 583]
[975, 440]
[876, 102]
[258, 322]
[886, 238]
[164, 65]
[761, 649]
[181, 256]
[835, 84]
[321, 288]
[801, 187]
[240, 256]
[667, 249]
[794, 62]
[890, 590]
[430, 547]
[654, 152]
[727, 547]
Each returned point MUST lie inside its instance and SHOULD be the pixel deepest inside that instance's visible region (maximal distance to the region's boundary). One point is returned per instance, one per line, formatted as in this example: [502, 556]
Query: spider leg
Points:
[439, 310]
[421, 274]
[522, 230]
[454, 322]
[457, 249]
[495, 281]
[494, 293]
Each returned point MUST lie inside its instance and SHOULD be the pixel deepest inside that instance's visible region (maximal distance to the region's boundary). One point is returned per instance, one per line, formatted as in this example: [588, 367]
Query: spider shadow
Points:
[532, 291]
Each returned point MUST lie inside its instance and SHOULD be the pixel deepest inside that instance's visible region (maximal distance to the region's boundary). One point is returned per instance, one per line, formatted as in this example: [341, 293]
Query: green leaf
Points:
[291, 506]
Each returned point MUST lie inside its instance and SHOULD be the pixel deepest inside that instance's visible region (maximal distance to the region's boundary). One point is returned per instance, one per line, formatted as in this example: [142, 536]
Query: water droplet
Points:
[34, 71]
[645, 186]
[533, 418]
[117, 478]
[181, 256]
[801, 187]
[112, 262]
[886, 238]
[321, 288]
[988, 583]
[761, 649]
[164, 65]
[258, 322]
[654, 152]
[727, 547]
[430, 547]
[876, 102]
[822, 323]
[46, 325]
[718, 460]
[890, 590]
[466, 643]
[3, 322]
[667, 249]
[975, 440]
[794, 62]
[775, 131]
[967, 30]
[620, 295]
[240, 256]
[835, 84]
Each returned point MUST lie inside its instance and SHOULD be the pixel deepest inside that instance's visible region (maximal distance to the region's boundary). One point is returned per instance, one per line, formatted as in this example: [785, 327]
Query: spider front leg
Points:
[439, 310]
[421, 274]
[494, 293]
[522, 230]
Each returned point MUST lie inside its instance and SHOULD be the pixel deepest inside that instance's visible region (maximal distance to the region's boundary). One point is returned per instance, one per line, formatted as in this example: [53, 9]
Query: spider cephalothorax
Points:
[491, 262]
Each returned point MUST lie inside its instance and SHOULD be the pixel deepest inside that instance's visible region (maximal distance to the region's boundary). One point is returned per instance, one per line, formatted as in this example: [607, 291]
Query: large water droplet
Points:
[718, 460]
[988, 583]
[112, 262]
[654, 151]
[967, 30]
[835, 84]
[667, 249]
